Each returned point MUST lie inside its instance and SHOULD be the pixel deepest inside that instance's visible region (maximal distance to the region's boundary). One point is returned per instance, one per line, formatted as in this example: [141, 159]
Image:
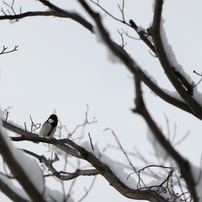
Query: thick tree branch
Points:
[10, 193]
[117, 50]
[143, 35]
[65, 14]
[27, 14]
[17, 130]
[108, 174]
[129, 62]
[68, 146]
[193, 108]
[99, 166]
[35, 138]
[183, 164]
[18, 171]
[166, 64]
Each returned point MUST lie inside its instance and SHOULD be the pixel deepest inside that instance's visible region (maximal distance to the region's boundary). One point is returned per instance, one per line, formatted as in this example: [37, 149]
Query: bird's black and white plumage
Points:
[49, 127]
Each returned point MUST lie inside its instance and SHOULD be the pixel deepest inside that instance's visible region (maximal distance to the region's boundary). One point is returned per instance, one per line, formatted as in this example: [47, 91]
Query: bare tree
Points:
[153, 37]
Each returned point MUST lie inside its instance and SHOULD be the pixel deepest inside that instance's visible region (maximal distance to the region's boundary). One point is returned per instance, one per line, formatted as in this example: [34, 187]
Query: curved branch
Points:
[35, 138]
[10, 193]
[16, 129]
[130, 63]
[62, 175]
[108, 174]
[142, 36]
[131, 24]
[65, 14]
[100, 167]
[73, 16]
[5, 51]
[18, 171]
[116, 49]
[183, 164]
[166, 63]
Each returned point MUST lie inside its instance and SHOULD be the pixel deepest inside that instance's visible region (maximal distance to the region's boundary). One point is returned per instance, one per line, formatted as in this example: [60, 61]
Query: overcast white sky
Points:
[61, 66]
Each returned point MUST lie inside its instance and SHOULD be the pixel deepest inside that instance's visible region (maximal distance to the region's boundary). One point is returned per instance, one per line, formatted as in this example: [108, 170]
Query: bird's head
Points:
[53, 118]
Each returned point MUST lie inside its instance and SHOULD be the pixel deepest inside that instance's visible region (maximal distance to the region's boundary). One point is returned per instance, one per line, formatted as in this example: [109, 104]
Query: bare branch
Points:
[122, 149]
[71, 15]
[183, 164]
[7, 113]
[108, 13]
[91, 141]
[88, 191]
[16, 168]
[61, 175]
[11, 6]
[121, 8]
[143, 35]
[33, 137]
[5, 51]
[166, 63]
[199, 80]
[34, 126]
[10, 193]
[131, 64]
[117, 50]
[65, 14]
[123, 44]
[183, 87]
[100, 168]
[85, 122]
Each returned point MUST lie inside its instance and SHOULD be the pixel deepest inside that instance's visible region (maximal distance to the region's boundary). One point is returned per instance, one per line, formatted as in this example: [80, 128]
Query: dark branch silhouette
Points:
[152, 37]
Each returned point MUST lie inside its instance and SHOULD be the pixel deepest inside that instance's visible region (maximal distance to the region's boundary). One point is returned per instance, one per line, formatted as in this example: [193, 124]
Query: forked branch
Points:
[183, 164]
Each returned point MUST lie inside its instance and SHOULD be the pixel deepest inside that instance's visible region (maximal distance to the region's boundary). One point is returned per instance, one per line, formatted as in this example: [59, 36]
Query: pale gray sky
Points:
[61, 66]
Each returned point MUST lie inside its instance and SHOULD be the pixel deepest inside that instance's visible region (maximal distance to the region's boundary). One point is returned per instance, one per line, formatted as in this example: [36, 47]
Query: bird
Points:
[49, 127]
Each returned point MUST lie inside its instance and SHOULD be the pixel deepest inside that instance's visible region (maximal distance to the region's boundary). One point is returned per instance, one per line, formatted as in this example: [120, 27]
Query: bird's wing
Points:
[52, 132]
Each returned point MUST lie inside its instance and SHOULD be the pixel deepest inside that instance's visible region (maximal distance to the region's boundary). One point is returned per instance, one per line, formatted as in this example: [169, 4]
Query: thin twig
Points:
[34, 126]
[122, 149]
[9, 51]
[91, 141]
[88, 191]
[121, 8]
[199, 80]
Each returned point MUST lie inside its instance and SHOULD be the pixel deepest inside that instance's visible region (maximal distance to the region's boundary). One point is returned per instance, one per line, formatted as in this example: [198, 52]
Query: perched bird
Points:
[49, 127]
